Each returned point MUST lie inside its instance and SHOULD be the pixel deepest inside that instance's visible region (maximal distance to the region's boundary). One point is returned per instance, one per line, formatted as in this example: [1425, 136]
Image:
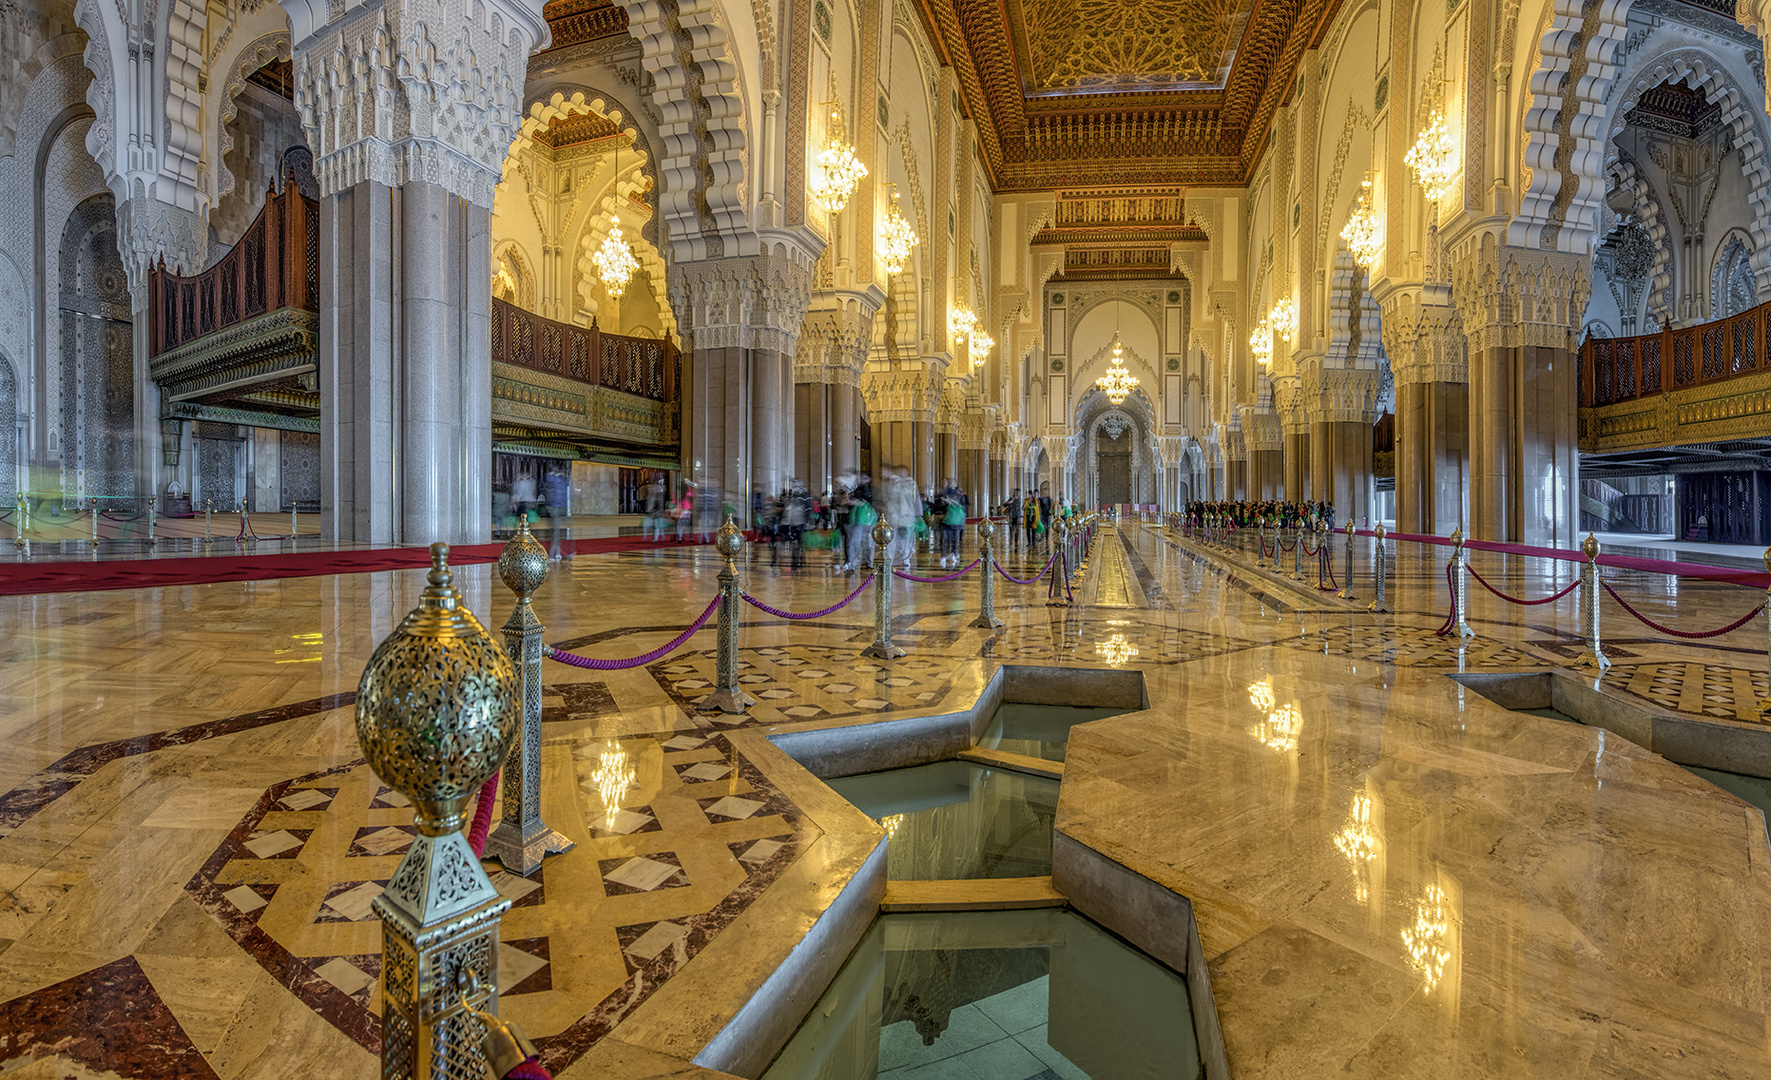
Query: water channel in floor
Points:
[1009, 995]
[1754, 789]
[953, 819]
[1041, 731]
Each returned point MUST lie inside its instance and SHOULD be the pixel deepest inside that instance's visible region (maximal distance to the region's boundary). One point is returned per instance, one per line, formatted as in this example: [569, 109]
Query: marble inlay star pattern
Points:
[798, 682]
[1409, 646]
[292, 885]
[1719, 690]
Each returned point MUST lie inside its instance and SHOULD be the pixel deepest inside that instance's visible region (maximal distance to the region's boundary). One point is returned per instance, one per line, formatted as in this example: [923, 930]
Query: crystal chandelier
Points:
[1362, 233]
[1261, 342]
[839, 172]
[1284, 319]
[1119, 382]
[1433, 158]
[896, 239]
[615, 263]
[962, 322]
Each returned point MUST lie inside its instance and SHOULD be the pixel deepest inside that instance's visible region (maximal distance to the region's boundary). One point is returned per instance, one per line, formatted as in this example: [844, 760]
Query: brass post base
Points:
[883, 651]
[522, 855]
[986, 622]
[1376, 608]
[726, 701]
[1590, 659]
[1345, 594]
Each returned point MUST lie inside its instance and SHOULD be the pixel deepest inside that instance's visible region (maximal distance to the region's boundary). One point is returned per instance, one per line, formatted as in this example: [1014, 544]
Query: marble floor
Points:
[189, 839]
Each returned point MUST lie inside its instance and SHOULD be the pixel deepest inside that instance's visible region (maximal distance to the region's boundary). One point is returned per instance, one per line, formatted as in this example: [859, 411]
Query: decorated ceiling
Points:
[1128, 93]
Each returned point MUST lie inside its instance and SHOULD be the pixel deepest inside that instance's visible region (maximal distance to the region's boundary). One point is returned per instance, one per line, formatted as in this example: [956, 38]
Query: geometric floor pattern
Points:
[1695, 688]
[683, 833]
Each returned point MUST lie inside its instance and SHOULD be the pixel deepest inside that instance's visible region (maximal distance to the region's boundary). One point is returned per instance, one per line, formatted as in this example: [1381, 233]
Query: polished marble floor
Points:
[189, 839]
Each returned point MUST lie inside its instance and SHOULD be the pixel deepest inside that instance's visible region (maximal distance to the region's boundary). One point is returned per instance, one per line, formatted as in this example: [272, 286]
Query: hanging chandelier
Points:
[1261, 342]
[1119, 382]
[896, 239]
[1284, 319]
[962, 322]
[1362, 234]
[839, 172]
[1433, 158]
[615, 263]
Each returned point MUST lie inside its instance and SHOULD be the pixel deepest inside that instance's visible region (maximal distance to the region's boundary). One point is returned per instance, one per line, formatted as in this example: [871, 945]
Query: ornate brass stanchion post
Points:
[1322, 553]
[23, 522]
[1346, 592]
[1054, 596]
[435, 716]
[1460, 578]
[1592, 655]
[246, 536]
[521, 839]
[208, 511]
[294, 523]
[727, 696]
[987, 584]
[1297, 553]
[882, 646]
[95, 513]
[152, 539]
[1378, 606]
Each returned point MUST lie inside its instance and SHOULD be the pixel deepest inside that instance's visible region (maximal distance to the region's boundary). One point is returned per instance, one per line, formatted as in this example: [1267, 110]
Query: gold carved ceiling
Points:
[1120, 233]
[1123, 93]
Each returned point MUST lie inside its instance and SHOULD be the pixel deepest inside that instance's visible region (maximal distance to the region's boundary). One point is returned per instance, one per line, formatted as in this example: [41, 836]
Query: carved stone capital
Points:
[749, 302]
[1261, 429]
[409, 90]
[902, 394]
[1423, 337]
[1513, 297]
[1339, 394]
[835, 336]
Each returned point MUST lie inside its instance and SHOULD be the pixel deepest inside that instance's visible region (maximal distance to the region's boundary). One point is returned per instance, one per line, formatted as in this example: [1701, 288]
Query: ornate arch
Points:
[1701, 70]
[256, 54]
[508, 257]
[1733, 285]
[1646, 207]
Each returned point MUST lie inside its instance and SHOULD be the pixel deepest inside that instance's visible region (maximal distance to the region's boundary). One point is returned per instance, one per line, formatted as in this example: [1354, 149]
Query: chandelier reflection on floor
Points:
[1279, 724]
[1116, 650]
[613, 777]
[1428, 940]
[1358, 841]
[1119, 382]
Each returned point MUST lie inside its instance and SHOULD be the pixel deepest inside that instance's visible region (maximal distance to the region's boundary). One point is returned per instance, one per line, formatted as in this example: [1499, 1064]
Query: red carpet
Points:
[27, 579]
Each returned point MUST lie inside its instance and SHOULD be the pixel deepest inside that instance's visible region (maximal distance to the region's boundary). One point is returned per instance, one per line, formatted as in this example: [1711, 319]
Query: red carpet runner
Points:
[27, 579]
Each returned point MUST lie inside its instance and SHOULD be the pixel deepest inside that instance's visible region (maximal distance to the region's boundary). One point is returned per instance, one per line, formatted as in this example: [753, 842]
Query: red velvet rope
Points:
[529, 1070]
[1525, 603]
[1687, 635]
[1450, 587]
[482, 816]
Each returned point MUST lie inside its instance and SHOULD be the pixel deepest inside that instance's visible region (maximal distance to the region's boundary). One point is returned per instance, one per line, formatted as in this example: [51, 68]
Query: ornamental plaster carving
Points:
[407, 93]
[1648, 218]
[255, 55]
[748, 302]
[1261, 430]
[1424, 341]
[1288, 403]
[1509, 298]
[902, 395]
[1706, 73]
[835, 337]
[1560, 196]
[1339, 395]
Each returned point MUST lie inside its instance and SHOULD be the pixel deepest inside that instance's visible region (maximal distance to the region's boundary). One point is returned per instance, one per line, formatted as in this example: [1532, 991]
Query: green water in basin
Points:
[1040, 731]
[1003, 995]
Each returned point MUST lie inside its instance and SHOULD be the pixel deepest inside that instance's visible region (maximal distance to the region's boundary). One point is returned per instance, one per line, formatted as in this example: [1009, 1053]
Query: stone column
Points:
[922, 454]
[1342, 404]
[406, 175]
[845, 427]
[1521, 312]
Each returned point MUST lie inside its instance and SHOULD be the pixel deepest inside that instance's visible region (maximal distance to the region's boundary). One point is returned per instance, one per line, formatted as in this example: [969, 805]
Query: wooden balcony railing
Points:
[275, 265]
[644, 366]
[1624, 369]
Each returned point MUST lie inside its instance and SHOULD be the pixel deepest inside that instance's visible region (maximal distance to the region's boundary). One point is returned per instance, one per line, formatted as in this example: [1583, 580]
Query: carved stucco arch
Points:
[1703, 71]
[1561, 123]
[1735, 239]
[254, 55]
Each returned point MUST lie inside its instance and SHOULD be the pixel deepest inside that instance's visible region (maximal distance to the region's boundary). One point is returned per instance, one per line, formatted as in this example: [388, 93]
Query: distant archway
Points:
[98, 356]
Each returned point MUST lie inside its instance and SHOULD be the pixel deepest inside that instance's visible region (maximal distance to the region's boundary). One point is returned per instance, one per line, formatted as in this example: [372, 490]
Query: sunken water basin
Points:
[954, 819]
[1018, 995]
[1040, 731]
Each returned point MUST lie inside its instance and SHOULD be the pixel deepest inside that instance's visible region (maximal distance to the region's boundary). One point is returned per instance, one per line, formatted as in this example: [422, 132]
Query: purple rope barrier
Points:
[1524, 603]
[779, 614]
[1450, 587]
[937, 580]
[1687, 635]
[1034, 578]
[622, 665]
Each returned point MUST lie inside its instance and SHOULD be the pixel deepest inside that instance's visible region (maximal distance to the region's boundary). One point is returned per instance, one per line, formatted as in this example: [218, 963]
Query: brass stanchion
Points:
[987, 584]
[152, 539]
[1297, 551]
[208, 512]
[294, 523]
[521, 839]
[1346, 592]
[882, 646]
[246, 536]
[1592, 655]
[1060, 573]
[438, 682]
[1377, 605]
[95, 513]
[1460, 561]
[23, 522]
[727, 696]
[1322, 553]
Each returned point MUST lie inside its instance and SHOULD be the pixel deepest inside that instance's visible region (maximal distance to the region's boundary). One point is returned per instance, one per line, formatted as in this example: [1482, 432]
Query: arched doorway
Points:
[98, 356]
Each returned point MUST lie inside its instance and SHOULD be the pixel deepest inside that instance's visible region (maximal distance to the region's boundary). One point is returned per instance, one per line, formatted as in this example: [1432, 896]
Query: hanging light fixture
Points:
[1284, 319]
[615, 264]
[962, 322]
[1261, 342]
[1119, 382]
[1363, 234]
[1433, 158]
[839, 172]
[896, 239]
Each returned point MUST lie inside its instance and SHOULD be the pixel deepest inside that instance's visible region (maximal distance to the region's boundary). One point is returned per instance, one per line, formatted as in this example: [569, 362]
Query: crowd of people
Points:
[1244, 514]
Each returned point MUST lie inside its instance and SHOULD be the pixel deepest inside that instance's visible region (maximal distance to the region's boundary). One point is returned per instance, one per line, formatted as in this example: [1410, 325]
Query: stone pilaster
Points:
[1342, 406]
[827, 365]
[1294, 433]
[1521, 311]
[1423, 338]
[409, 109]
[741, 319]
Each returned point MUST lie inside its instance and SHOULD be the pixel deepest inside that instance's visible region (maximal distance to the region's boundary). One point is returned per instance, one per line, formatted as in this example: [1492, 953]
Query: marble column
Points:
[406, 179]
[771, 426]
[1297, 465]
[922, 454]
[845, 426]
[1431, 446]
[946, 465]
